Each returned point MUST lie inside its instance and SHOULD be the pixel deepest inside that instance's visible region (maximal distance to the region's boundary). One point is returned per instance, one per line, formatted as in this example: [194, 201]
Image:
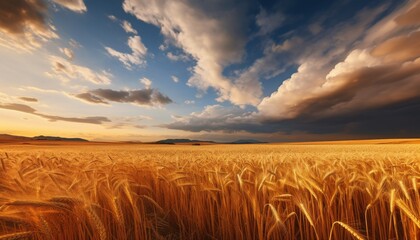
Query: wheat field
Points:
[142, 191]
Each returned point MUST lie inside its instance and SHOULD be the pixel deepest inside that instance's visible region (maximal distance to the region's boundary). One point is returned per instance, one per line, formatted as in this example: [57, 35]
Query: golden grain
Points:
[214, 192]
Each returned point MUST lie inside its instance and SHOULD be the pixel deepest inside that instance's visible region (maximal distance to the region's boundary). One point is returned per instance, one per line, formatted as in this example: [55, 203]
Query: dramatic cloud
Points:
[143, 97]
[359, 78]
[28, 99]
[66, 71]
[24, 24]
[73, 5]
[212, 32]
[368, 78]
[387, 121]
[135, 58]
[52, 118]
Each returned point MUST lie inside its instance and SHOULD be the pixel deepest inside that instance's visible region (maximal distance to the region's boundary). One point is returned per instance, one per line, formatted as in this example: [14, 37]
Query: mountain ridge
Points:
[9, 137]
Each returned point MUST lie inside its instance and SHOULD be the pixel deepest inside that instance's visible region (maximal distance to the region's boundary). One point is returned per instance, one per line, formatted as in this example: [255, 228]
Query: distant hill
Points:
[53, 138]
[186, 141]
[13, 138]
[180, 140]
[247, 141]
[9, 138]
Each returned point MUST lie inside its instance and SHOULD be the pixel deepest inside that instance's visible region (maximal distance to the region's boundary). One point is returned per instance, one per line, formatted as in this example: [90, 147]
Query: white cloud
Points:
[74, 5]
[214, 34]
[175, 79]
[179, 57]
[112, 18]
[127, 27]
[146, 82]
[188, 102]
[68, 52]
[372, 73]
[137, 55]
[65, 71]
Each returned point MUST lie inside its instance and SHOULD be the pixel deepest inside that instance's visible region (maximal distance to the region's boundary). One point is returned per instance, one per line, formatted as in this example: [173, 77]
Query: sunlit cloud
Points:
[66, 71]
[215, 37]
[127, 27]
[27, 109]
[73, 5]
[68, 52]
[245, 67]
[179, 57]
[146, 82]
[135, 58]
[27, 27]
[388, 70]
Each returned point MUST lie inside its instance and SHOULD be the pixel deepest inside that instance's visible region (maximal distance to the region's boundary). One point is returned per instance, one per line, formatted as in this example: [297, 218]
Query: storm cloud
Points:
[144, 97]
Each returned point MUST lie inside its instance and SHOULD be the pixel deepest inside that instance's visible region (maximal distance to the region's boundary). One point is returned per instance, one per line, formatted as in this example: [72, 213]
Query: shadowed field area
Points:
[145, 191]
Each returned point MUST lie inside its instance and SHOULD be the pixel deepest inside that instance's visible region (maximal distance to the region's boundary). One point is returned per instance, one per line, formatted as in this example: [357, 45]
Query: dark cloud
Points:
[16, 15]
[24, 24]
[28, 99]
[91, 120]
[148, 96]
[126, 125]
[374, 91]
[393, 120]
[18, 107]
[91, 98]
[218, 118]
[388, 121]
[30, 110]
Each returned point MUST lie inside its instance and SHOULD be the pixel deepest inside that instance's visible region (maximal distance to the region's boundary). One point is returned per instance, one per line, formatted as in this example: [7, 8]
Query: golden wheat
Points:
[210, 192]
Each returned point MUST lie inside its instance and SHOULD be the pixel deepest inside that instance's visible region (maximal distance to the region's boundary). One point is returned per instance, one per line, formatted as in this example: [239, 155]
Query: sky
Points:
[144, 70]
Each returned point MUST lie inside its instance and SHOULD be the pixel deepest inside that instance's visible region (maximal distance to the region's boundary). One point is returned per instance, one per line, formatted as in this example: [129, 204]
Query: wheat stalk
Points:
[97, 222]
[349, 229]
[16, 236]
[408, 212]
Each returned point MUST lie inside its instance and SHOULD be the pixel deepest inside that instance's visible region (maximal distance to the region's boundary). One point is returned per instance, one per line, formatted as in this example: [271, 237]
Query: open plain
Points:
[357, 190]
